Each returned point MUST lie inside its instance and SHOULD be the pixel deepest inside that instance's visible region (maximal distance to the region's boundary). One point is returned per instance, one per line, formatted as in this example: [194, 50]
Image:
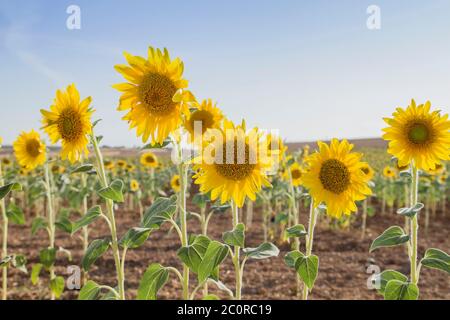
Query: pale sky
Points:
[311, 69]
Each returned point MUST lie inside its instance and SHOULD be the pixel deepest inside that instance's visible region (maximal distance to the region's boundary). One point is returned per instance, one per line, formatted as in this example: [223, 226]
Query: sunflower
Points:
[389, 172]
[30, 150]
[57, 169]
[6, 162]
[443, 179]
[134, 185]
[155, 95]
[368, 171]
[438, 170]
[109, 165]
[205, 116]
[239, 177]
[276, 148]
[418, 135]
[296, 173]
[122, 164]
[175, 183]
[69, 120]
[130, 168]
[149, 160]
[334, 177]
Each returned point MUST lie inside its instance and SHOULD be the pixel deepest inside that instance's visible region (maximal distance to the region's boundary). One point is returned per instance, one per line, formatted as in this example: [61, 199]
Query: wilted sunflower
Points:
[149, 160]
[69, 120]
[175, 183]
[334, 177]
[30, 150]
[368, 171]
[134, 185]
[388, 172]
[418, 135]
[234, 176]
[205, 116]
[154, 96]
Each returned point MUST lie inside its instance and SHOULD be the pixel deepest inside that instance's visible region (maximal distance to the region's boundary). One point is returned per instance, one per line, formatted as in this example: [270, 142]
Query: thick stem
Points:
[112, 223]
[414, 225]
[50, 217]
[5, 241]
[310, 240]
[236, 257]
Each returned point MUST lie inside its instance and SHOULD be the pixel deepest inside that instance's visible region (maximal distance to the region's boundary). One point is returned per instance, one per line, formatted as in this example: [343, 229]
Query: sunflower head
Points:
[122, 164]
[294, 174]
[149, 160]
[175, 183]
[155, 95]
[201, 118]
[334, 177]
[418, 135]
[130, 168]
[30, 150]
[134, 185]
[389, 172]
[57, 169]
[234, 164]
[109, 165]
[69, 121]
[438, 170]
[6, 162]
[368, 171]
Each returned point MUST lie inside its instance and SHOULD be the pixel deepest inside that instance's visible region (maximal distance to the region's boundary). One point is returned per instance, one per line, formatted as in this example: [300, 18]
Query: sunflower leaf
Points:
[4, 190]
[114, 192]
[392, 236]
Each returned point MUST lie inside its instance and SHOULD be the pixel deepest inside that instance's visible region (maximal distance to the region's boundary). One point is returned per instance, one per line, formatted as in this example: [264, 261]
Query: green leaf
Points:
[235, 238]
[37, 224]
[210, 297]
[393, 236]
[57, 285]
[157, 145]
[401, 290]
[387, 276]
[214, 256]
[411, 212]
[200, 200]
[64, 224]
[291, 258]
[193, 254]
[47, 257]
[94, 251]
[155, 277]
[264, 251]
[8, 188]
[135, 237]
[307, 268]
[35, 272]
[15, 214]
[436, 259]
[19, 262]
[90, 291]
[114, 192]
[159, 212]
[83, 169]
[296, 231]
[5, 261]
[87, 219]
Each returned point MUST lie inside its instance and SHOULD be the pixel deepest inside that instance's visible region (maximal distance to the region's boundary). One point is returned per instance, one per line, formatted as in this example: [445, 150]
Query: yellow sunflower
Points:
[296, 173]
[235, 166]
[30, 150]
[134, 185]
[69, 120]
[6, 162]
[154, 95]
[419, 135]
[57, 169]
[131, 168]
[122, 164]
[443, 179]
[389, 172]
[368, 171]
[334, 177]
[149, 160]
[109, 165]
[175, 183]
[438, 170]
[205, 116]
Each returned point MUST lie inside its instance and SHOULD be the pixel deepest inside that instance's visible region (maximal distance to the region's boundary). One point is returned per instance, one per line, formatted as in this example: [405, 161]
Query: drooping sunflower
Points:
[175, 183]
[334, 177]
[389, 172]
[154, 95]
[368, 171]
[419, 135]
[149, 160]
[30, 150]
[205, 116]
[134, 185]
[69, 121]
[235, 166]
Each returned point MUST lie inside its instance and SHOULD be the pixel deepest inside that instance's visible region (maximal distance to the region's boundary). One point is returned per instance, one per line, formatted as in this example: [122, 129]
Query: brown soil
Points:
[343, 256]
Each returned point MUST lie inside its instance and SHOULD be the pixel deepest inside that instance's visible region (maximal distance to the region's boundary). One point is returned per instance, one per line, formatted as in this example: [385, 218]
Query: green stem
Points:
[414, 225]
[51, 218]
[5, 241]
[111, 218]
[236, 256]
[85, 229]
[364, 219]
[310, 240]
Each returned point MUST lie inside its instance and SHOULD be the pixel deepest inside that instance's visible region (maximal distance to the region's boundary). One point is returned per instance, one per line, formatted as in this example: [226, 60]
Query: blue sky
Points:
[311, 69]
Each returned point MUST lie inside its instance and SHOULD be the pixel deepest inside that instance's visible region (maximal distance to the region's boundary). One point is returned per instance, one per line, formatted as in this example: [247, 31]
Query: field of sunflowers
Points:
[209, 209]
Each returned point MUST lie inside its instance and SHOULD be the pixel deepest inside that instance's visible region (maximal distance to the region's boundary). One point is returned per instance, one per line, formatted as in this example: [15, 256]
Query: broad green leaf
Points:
[94, 251]
[20, 263]
[393, 236]
[410, 212]
[291, 258]
[90, 291]
[114, 192]
[35, 272]
[436, 259]
[401, 290]
[200, 200]
[57, 285]
[153, 280]
[135, 237]
[83, 169]
[388, 275]
[214, 256]
[307, 268]
[159, 212]
[15, 214]
[264, 251]
[110, 295]
[64, 224]
[37, 224]
[193, 254]
[87, 219]
[47, 257]
[4, 190]
[235, 238]
[296, 231]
